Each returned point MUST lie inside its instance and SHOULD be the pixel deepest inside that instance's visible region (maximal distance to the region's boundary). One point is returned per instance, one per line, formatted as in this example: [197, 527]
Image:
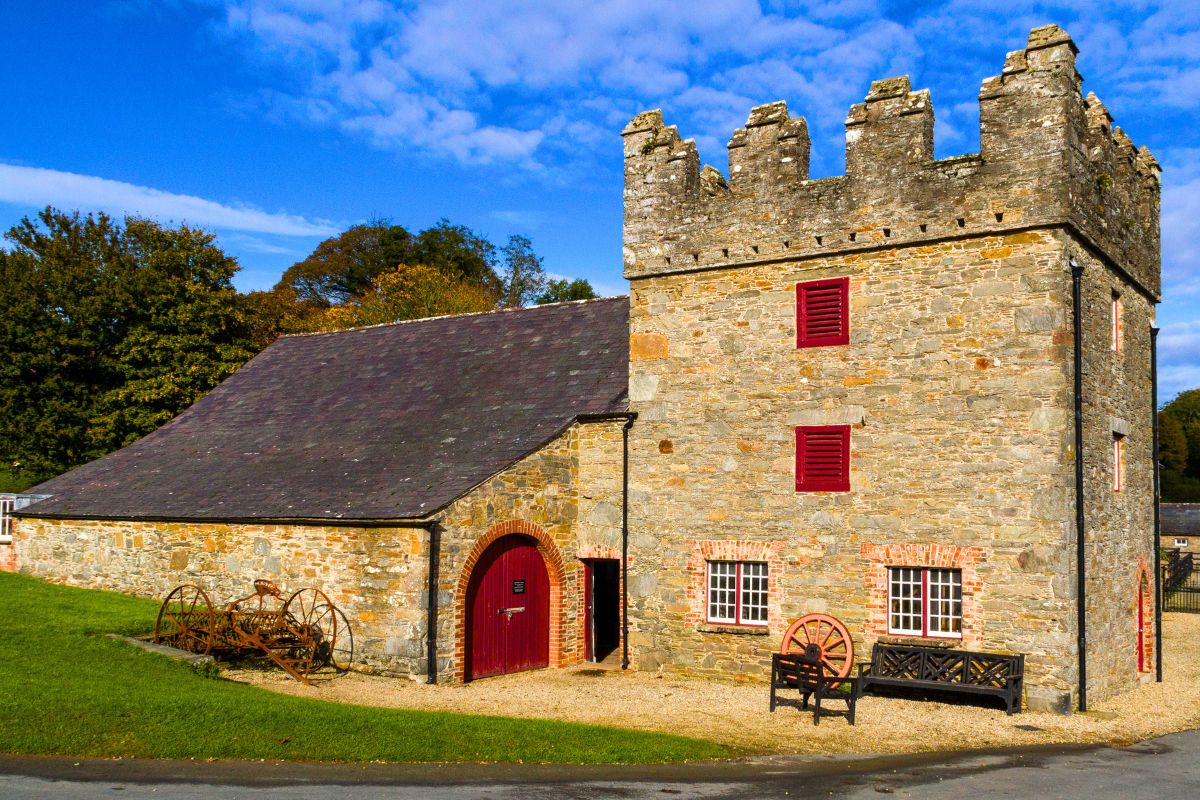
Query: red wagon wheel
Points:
[829, 635]
[186, 620]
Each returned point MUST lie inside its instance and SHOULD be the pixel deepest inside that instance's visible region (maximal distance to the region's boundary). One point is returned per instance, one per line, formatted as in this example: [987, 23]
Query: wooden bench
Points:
[806, 673]
[945, 670]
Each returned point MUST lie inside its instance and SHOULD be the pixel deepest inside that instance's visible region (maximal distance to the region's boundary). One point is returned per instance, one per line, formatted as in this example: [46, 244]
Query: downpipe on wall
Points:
[625, 539]
[1080, 539]
[1158, 592]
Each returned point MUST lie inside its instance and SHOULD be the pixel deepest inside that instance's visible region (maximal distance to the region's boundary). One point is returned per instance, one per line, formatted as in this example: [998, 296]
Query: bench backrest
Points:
[915, 663]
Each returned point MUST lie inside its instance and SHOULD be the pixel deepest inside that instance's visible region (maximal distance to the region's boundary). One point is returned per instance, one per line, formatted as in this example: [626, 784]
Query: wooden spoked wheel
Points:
[830, 637]
[186, 620]
[336, 646]
[320, 631]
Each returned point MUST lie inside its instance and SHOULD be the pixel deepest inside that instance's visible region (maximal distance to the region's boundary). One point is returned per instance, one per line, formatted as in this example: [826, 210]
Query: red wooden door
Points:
[1141, 630]
[508, 610]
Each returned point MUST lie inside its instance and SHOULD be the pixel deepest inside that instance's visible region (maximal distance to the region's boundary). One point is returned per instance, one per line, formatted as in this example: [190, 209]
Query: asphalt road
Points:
[1161, 769]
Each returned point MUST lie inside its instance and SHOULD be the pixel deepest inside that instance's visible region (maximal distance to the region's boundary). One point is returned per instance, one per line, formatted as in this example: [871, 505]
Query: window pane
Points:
[722, 600]
[945, 602]
[904, 614]
[754, 593]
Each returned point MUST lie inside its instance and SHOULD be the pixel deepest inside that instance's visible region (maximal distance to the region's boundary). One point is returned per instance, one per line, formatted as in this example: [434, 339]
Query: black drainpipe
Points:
[431, 607]
[1080, 551]
[625, 540]
[1158, 669]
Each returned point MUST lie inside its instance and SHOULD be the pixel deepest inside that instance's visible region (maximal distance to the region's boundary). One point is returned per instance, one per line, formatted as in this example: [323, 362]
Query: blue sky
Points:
[277, 123]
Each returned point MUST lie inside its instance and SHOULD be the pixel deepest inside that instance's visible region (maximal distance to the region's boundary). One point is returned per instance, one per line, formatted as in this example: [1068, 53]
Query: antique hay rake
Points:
[303, 634]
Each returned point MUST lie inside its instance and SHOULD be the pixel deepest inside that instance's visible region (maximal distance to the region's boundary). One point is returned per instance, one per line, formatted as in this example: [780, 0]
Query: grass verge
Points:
[67, 689]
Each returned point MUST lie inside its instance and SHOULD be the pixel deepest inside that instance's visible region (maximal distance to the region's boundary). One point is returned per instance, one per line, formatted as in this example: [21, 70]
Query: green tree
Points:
[523, 277]
[108, 331]
[559, 291]
[1172, 443]
[458, 252]
[1186, 408]
[344, 265]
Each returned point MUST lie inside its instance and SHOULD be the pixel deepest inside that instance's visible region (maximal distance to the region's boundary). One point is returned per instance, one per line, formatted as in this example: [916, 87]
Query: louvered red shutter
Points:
[823, 459]
[823, 313]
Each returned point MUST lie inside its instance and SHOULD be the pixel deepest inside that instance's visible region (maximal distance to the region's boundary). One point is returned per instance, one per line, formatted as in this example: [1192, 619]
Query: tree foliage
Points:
[1179, 447]
[523, 278]
[108, 331]
[341, 268]
[410, 292]
[563, 290]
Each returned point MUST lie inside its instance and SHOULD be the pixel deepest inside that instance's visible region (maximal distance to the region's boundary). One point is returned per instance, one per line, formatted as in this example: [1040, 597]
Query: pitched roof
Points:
[1181, 519]
[387, 422]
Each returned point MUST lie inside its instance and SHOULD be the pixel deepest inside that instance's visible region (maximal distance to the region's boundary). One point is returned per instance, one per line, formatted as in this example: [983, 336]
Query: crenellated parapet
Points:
[1048, 158]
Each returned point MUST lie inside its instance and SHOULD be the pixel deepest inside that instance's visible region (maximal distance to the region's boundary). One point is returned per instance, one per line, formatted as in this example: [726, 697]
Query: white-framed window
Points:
[737, 592]
[1181, 542]
[925, 602]
[1118, 467]
[7, 504]
[1117, 323]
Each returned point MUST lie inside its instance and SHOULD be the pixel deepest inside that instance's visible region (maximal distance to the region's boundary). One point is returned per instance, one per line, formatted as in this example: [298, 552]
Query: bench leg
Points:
[851, 702]
[772, 697]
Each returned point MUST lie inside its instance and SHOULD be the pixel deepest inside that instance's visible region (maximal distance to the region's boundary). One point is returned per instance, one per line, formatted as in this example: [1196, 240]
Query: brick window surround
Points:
[554, 568]
[705, 550]
[880, 557]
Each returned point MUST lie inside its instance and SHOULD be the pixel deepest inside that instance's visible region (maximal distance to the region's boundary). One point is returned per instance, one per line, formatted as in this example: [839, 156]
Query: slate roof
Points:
[1180, 519]
[387, 422]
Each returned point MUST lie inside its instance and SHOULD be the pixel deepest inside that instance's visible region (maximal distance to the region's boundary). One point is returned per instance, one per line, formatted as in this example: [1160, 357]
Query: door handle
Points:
[511, 611]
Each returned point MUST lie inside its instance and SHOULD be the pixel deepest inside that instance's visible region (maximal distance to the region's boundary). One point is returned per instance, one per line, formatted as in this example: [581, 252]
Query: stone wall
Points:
[1119, 531]
[1049, 157]
[566, 495]
[375, 575]
[956, 383]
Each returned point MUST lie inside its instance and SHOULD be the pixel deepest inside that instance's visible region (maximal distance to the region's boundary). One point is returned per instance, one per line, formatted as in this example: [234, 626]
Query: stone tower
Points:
[952, 382]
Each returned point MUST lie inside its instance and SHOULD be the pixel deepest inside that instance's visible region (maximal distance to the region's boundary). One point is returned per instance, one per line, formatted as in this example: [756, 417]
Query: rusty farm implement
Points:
[302, 634]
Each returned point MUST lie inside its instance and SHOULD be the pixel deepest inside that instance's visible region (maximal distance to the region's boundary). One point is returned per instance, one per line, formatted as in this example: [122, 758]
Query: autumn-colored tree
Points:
[410, 292]
[106, 332]
[342, 267]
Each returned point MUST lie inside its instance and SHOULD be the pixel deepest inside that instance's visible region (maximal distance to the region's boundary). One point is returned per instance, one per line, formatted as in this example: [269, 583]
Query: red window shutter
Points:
[823, 458]
[823, 313]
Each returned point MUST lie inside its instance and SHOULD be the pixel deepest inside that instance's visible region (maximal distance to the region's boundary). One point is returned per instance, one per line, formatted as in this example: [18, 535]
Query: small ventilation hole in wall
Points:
[818, 240]
[999, 216]
[668, 259]
[853, 236]
[695, 256]
[962, 223]
[725, 252]
[754, 248]
[887, 232]
[923, 227]
[786, 244]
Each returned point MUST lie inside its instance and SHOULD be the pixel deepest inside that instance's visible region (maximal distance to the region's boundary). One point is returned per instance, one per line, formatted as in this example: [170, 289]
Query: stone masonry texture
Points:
[957, 381]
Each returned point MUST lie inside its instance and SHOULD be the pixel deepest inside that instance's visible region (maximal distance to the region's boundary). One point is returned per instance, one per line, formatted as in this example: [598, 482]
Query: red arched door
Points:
[508, 610]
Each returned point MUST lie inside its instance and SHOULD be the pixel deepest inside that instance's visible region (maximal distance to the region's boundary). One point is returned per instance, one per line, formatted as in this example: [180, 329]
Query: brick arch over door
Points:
[554, 566]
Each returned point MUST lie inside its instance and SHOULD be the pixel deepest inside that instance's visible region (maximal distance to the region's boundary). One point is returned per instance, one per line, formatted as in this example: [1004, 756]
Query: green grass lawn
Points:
[67, 689]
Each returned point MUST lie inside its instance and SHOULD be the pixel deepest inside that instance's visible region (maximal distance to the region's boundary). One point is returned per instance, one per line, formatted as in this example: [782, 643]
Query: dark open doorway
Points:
[603, 607]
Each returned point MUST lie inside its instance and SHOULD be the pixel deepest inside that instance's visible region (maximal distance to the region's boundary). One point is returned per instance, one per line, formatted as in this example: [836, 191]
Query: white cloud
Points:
[34, 186]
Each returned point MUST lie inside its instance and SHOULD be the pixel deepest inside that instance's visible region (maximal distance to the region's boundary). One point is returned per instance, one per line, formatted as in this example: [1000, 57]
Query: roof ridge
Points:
[508, 310]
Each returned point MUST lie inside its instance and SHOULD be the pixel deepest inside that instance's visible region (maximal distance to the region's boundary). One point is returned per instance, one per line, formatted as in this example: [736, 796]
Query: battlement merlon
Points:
[1049, 158]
